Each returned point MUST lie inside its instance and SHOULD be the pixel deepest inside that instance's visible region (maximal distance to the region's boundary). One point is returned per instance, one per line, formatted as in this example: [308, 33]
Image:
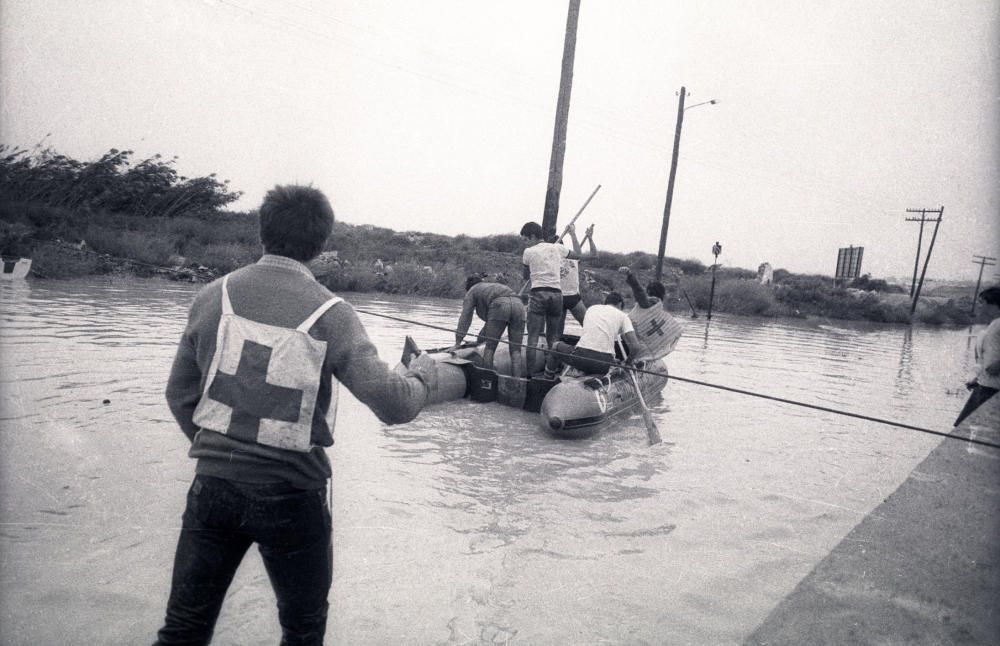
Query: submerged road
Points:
[922, 568]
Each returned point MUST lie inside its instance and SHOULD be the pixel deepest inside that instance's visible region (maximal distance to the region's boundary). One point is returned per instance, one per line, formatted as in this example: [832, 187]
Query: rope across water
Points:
[740, 391]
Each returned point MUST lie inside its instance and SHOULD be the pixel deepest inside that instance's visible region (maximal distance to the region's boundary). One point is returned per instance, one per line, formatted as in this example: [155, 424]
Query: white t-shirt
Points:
[544, 260]
[569, 274]
[601, 325]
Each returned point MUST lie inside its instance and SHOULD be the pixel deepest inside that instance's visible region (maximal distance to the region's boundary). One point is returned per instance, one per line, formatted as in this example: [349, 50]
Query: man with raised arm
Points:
[254, 387]
[542, 263]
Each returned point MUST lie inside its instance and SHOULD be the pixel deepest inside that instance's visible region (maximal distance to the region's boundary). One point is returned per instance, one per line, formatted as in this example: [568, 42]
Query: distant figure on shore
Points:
[253, 386]
[542, 268]
[984, 378]
[501, 308]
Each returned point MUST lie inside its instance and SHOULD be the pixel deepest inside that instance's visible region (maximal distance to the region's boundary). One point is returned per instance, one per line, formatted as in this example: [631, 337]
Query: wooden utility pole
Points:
[551, 212]
[916, 261]
[670, 185]
[930, 249]
[983, 262]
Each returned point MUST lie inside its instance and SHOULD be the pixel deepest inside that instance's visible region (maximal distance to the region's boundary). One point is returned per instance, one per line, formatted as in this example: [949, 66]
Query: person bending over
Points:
[594, 353]
[253, 387]
[500, 308]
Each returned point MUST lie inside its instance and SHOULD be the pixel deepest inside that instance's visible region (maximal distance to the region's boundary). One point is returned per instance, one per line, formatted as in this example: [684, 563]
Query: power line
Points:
[697, 382]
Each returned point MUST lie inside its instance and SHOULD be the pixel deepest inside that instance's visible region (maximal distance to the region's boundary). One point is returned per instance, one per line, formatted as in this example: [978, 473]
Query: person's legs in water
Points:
[209, 550]
[297, 551]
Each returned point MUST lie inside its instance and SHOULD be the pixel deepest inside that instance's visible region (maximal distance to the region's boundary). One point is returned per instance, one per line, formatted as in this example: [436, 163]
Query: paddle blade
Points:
[651, 431]
[410, 350]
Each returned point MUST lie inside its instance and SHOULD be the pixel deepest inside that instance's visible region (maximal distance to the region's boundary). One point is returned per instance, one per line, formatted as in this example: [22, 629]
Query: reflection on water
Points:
[469, 524]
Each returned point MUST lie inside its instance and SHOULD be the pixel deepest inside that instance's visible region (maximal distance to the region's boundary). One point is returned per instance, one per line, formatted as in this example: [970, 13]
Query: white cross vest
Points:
[657, 330]
[264, 379]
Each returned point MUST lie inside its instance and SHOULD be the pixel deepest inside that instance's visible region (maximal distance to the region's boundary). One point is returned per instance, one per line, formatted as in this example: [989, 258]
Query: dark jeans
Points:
[588, 361]
[292, 528]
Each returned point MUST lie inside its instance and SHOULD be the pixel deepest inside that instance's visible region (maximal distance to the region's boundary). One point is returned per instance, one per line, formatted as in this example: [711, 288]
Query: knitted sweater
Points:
[281, 292]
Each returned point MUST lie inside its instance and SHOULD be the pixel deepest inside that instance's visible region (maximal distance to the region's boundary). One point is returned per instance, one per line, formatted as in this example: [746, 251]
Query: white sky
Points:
[834, 117]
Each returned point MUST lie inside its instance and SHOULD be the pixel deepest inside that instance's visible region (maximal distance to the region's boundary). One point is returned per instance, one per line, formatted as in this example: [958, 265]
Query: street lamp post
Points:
[716, 250]
[673, 174]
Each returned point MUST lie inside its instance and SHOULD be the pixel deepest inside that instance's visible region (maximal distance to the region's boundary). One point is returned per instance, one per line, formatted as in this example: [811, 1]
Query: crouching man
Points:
[594, 353]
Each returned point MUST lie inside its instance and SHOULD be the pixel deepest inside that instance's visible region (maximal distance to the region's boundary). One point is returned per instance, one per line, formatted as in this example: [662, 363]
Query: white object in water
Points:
[16, 269]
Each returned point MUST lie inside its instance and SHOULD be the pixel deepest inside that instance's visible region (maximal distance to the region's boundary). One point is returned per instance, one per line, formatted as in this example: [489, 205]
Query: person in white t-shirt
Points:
[570, 282]
[594, 353]
[542, 263]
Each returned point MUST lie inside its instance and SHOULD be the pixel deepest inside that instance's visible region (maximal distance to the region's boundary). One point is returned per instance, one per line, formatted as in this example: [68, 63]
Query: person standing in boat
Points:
[569, 282]
[542, 263]
[500, 308]
[984, 379]
[594, 353]
[254, 388]
[657, 331]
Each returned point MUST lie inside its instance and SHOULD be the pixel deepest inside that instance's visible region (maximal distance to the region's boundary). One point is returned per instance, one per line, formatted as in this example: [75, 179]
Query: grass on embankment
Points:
[424, 264]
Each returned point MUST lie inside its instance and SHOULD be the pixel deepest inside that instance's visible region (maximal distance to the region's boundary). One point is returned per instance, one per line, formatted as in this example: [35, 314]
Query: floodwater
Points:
[468, 525]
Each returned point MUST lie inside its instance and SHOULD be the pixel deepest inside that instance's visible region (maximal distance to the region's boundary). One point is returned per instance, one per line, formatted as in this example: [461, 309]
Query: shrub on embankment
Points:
[76, 218]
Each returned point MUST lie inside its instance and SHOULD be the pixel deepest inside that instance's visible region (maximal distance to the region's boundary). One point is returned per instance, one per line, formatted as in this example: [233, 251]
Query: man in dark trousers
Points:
[253, 386]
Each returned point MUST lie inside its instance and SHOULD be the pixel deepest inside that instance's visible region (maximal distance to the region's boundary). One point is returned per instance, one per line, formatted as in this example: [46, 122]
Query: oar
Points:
[651, 431]
[694, 314]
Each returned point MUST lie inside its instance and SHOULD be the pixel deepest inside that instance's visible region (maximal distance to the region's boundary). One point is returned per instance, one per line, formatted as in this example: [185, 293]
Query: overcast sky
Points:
[833, 117]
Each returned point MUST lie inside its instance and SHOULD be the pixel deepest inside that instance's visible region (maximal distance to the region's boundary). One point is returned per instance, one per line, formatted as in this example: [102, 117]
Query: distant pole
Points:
[716, 249]
[930, 249]
[920, 236]
[551, 212]
[983, 262]
[670, 186]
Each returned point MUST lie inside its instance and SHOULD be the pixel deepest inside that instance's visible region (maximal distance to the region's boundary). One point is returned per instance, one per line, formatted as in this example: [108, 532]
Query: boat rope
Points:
[731, 389]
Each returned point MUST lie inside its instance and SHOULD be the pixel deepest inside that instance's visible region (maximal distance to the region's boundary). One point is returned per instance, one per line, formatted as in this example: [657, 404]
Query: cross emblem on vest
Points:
[656, 327]
[256, 398]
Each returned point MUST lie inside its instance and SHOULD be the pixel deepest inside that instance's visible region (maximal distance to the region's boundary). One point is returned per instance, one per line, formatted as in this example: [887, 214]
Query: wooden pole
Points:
[930, 249]
[670, 186]
[983, 262]
[551, 212]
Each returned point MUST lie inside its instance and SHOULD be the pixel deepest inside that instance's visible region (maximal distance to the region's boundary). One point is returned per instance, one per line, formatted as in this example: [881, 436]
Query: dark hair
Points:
[990, 295]
[295, 221]
[614, 298]
[532, 230]
[472, 280]
[656, 288]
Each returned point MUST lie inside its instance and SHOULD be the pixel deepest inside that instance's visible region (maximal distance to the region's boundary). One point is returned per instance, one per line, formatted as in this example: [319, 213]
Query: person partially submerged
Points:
[656, 329]
[501, 308]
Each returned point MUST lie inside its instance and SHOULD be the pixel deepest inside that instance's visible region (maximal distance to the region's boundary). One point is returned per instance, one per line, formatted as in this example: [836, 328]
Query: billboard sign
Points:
[849, 263]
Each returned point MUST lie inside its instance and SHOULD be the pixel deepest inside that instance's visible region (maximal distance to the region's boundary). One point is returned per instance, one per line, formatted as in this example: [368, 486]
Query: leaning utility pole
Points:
[562, 120]
[983, 262]
[920, 237]
[670, 186]
[930, 249]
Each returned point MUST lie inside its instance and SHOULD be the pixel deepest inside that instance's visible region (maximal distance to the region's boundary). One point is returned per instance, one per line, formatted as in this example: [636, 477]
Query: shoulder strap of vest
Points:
[320, 311]
[227, 305]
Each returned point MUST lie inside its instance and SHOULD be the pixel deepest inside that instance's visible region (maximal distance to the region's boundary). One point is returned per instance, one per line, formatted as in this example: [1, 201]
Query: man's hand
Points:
[969, 385]
[425, 369]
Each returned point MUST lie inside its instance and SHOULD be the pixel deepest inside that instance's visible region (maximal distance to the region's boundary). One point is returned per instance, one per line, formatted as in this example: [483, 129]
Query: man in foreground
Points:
[253, 386]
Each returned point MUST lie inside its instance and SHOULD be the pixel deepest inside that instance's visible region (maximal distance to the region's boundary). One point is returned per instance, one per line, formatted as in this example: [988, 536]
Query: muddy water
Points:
[469, 525]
